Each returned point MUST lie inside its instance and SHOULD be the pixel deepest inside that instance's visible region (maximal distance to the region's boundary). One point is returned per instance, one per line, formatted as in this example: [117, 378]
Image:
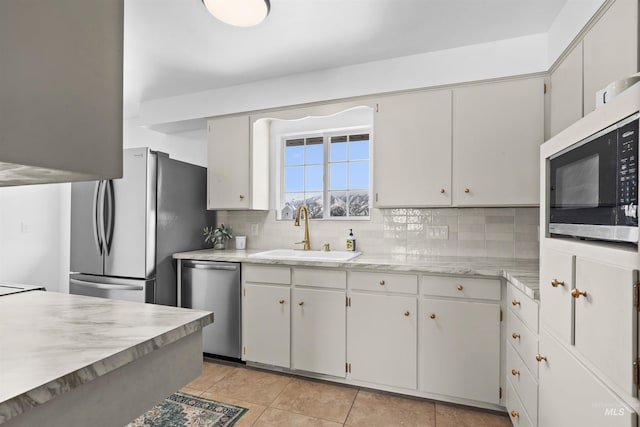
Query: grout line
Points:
[351, 407]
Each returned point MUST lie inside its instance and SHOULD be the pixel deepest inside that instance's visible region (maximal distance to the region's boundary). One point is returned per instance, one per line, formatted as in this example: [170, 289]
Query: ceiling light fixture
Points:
[241, 13]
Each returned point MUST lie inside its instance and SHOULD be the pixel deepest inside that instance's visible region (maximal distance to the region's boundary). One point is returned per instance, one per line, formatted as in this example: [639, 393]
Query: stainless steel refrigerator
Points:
[124, 231]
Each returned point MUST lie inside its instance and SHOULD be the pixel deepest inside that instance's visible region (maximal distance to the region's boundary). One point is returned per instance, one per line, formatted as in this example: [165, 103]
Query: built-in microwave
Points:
[593, 185]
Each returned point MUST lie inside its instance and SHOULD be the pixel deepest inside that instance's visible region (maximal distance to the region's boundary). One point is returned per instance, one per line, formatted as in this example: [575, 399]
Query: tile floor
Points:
[281, 400]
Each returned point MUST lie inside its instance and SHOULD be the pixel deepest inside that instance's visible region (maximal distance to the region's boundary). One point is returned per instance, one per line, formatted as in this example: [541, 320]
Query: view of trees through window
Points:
[330, 174]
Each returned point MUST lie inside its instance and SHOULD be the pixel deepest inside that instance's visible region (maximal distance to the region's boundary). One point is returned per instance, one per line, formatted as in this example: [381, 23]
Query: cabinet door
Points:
[610, 49]
[605, 319]
[556, 304]
[319, 331]
[382, 335]
[569, 395]
[566, 92]
[412, 150]
[266, 324]
[228, 163]
[497, 132]
[461, 349]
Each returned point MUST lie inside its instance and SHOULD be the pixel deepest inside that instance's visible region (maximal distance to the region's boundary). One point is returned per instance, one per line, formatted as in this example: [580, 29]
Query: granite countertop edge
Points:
[522, 273]
[14, 406]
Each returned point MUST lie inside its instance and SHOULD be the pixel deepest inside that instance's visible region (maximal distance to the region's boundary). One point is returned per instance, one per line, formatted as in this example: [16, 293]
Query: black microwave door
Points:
[583, 183]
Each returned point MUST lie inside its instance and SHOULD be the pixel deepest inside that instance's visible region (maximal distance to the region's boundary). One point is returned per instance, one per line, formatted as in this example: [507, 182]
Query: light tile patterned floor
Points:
[282, 400]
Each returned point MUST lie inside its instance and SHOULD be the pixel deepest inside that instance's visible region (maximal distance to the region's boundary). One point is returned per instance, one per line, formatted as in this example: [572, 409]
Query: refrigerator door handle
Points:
[105, 285]
[96, 217]
[110, 215]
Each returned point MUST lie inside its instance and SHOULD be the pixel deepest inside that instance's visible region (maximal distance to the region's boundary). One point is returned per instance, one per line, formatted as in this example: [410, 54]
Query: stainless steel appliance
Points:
[593, 185]
[124, 231]
[215, 286]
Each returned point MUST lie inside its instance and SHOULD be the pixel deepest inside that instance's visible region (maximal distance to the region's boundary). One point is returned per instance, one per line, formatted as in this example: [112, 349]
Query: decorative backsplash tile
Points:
[477, 232]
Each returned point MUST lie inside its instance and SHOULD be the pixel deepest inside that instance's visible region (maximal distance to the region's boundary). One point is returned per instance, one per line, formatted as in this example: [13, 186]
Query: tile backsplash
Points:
[477, 232]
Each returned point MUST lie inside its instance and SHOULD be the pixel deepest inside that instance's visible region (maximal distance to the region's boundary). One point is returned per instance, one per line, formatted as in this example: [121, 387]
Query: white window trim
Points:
[326, 136]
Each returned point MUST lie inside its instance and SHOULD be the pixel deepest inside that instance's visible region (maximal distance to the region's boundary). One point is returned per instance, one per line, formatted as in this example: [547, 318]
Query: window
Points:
[329, 172]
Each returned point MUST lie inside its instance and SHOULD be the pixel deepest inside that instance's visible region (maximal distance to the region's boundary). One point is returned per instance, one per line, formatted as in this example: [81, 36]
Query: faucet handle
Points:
[327, 248]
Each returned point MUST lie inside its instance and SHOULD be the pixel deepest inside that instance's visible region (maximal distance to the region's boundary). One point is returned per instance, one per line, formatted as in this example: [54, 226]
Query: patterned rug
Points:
[185, 410]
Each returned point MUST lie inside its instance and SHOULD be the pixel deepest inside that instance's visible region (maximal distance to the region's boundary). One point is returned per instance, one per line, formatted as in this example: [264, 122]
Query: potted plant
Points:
[217, 235]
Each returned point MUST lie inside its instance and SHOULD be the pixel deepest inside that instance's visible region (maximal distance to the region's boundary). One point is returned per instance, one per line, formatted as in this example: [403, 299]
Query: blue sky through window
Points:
[347, 180]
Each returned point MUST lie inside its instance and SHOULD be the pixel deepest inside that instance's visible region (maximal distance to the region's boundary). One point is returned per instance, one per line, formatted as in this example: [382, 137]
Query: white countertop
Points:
[522, 273]
[53, 342]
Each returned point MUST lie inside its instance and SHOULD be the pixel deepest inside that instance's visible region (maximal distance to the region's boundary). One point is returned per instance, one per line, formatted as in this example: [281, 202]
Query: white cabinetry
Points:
[382, 329]
[460, 341]
[521, 367]
[413, 146]
[610, 49]
[266, 314]
[61, 91]
[570, 395]
[232, 164]
[497, 132]
[556, 283]
[599, 355]
[318, 321]
[604, 296]
[566, 92]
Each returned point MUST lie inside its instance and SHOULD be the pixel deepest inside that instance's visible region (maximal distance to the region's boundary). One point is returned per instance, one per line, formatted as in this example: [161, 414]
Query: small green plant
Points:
[217, 235]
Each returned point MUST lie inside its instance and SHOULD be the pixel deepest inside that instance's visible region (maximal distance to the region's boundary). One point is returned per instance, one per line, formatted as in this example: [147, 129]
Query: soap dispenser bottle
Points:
[351, 241]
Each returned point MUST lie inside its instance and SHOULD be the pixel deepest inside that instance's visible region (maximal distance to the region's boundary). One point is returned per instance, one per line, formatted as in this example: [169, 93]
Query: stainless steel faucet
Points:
[303, 209]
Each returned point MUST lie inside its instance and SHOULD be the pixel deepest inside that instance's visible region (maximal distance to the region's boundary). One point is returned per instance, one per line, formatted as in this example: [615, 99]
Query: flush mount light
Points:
[241, 13]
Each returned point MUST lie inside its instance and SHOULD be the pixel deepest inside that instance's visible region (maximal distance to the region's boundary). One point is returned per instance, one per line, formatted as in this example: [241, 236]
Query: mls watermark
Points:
[611, 410]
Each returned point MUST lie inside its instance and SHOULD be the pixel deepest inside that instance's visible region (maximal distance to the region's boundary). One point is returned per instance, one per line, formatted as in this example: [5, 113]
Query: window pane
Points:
[294, 152]
[294, 178]
[359, 203]
[314, 178]
[359, 150]
[291, 203]
[315, 151]
[338, 149]
[338, 176]
[359, 175]
[314, 204]
[338, 203]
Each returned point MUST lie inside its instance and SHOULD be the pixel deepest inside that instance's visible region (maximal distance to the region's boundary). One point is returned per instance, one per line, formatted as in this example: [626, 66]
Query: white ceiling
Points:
[174, 47]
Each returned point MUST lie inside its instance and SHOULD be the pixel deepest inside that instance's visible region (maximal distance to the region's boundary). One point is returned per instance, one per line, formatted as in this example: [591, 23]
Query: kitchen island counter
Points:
[522, 273]
[61, 354]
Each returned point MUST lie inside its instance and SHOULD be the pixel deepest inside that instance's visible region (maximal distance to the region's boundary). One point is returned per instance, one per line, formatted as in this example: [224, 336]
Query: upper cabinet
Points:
[412, 150]
[237, 172]
[497, 131]
[475, 145]
[60, 91]
[566, 92]
[610, 49]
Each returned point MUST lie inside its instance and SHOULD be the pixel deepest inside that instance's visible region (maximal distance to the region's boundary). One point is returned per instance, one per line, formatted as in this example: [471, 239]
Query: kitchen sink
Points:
[298, 254]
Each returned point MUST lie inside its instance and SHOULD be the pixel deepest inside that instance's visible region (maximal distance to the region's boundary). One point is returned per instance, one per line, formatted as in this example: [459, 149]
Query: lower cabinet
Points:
[570, 395]
[461, 349]
[318, 331]
[364, 326]
[266, 324]
[382, 335]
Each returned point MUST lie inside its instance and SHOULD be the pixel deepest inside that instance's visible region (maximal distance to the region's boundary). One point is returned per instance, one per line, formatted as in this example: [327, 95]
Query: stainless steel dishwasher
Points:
[215, 286]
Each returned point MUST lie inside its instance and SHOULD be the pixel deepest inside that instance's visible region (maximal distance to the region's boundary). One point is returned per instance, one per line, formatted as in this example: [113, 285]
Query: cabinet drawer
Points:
[461, 287]
[523, 306]
[364, 281]
[263, 274]
[516, 410]
[524, 384]
[320, 277]
[524, 342]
